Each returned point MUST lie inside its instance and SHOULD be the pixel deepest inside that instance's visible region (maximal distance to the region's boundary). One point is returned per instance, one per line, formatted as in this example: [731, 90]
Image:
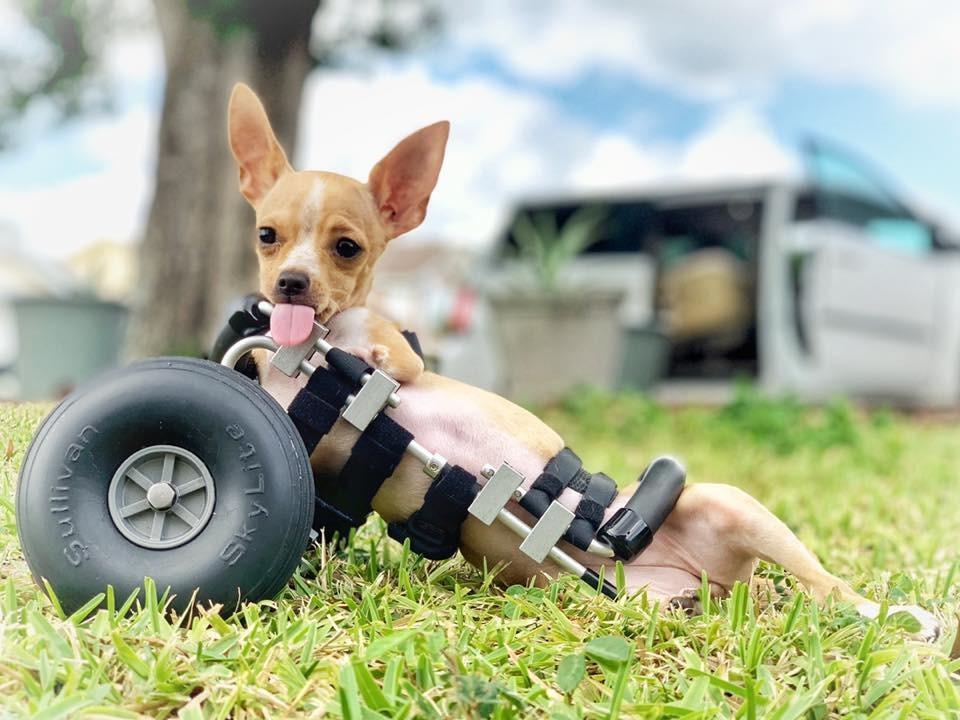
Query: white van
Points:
[827, 287]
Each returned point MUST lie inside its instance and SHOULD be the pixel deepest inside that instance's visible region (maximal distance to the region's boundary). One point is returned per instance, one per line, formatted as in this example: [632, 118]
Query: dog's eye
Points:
[347, 248]
[267, 235]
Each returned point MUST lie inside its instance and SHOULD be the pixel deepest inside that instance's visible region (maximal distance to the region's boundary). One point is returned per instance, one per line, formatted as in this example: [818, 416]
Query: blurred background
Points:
[660, 196]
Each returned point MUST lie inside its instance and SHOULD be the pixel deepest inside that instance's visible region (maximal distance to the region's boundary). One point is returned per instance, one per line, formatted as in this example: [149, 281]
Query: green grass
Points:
[372, 632]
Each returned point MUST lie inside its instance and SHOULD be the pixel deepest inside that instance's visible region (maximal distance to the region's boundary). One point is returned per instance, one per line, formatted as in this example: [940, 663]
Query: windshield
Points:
[845, 188]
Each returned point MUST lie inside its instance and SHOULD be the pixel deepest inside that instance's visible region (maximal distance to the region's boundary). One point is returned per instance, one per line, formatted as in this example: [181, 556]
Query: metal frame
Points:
[539, 542]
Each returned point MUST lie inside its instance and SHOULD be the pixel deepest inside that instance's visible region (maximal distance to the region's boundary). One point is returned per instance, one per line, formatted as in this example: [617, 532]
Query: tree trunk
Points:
[197, 252]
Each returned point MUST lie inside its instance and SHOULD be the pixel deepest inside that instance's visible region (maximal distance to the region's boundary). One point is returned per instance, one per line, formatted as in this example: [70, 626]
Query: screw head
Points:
[161, 496]
[488, 471]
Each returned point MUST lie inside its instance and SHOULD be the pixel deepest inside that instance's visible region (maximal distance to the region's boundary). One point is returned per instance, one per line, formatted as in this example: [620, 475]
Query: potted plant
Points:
[554, 334]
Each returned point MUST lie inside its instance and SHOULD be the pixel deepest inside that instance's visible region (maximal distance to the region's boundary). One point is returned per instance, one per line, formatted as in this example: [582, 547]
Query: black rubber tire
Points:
[67, 533]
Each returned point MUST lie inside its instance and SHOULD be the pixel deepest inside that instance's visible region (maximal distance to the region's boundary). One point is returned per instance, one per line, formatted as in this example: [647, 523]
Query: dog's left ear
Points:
[401, 183]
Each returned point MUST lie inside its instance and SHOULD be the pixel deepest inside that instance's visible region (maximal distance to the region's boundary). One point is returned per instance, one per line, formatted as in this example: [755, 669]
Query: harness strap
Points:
[414, 341]
[315, 409]
[599, 492]
[372, 460]
[561, 470]
[434, 529]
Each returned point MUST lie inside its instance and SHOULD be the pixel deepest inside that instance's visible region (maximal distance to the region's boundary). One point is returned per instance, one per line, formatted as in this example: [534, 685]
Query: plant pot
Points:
[646, 353]
[550, 343]
[64, 341]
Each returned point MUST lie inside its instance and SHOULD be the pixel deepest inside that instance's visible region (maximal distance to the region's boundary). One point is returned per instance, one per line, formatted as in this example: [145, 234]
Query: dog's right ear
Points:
[259, 156]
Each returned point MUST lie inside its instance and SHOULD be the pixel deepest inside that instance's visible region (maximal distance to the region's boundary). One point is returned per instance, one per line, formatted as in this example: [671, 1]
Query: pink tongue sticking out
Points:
[291, 324]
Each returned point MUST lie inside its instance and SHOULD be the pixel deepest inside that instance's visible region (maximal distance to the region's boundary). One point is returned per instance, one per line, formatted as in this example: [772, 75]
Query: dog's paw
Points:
[930, 627]
[376, 356]
[380, 354]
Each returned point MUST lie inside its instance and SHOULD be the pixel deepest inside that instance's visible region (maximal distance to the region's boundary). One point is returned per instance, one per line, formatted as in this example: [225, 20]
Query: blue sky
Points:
[559, 96]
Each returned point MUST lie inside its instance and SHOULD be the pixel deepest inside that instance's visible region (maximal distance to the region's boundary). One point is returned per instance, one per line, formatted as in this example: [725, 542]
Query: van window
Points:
[846, 189]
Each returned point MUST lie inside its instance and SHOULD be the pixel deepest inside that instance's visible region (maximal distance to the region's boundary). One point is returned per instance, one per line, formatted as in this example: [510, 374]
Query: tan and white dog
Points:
[319, 237]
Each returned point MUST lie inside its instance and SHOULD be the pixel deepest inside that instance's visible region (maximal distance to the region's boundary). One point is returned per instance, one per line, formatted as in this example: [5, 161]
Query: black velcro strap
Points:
[434, 529]
[580, 481]
[329, 520]
[535, 502]
[565, 465]
[597, 496]
[548, 483]
[602, 489]
[560, 470]
[372, 460]
[591, 511]
[317, 406]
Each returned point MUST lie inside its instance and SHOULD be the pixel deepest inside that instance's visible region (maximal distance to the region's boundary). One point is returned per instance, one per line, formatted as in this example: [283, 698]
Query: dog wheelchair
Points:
[188, 472]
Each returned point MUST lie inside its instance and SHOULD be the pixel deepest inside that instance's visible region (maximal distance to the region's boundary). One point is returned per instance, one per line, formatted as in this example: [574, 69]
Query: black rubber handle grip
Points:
[631, 528]
[246, 320]
[348, 366]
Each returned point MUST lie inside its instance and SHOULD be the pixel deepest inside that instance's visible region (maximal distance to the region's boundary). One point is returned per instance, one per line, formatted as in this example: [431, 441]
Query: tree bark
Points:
[197, 252]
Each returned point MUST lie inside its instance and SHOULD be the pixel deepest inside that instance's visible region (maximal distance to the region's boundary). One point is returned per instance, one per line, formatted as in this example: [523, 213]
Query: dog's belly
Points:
[467, 433]
[473, 428]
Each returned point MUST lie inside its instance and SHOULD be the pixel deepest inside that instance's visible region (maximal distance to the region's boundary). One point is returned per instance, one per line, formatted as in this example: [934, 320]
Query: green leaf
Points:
[55, 641]
[129, 657]
[903, 619]
[372, 694]
[388, 644]
[81, 614]
[609, 649]
[349, 694]
[54, 600]
[570, 672]
[66, 708]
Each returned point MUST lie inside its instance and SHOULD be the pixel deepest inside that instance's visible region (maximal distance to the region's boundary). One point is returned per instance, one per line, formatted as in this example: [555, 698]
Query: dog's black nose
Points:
[292, 283]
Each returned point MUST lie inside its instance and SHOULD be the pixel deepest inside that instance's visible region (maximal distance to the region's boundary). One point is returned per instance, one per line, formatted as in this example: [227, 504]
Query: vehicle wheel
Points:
[176, 469]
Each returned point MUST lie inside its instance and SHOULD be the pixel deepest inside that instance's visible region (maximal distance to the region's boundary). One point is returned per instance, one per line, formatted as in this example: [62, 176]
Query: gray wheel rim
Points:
[161, 497]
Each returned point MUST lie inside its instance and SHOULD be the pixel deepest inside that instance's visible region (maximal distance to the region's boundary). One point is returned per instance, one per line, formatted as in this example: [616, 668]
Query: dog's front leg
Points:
[361, 332]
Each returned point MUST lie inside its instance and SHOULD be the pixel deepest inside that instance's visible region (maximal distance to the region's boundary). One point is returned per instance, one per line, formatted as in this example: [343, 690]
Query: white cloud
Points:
[614, 161]
[60, 218]
[733, 49]
[736, 143]
[502, 141]
[110, 201]
[507, 143]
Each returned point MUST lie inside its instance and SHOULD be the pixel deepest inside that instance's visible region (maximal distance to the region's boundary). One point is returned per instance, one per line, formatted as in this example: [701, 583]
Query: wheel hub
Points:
[161, 497]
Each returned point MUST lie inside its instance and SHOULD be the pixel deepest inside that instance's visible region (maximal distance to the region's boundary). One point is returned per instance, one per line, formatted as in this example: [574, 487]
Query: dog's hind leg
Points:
[751, 531]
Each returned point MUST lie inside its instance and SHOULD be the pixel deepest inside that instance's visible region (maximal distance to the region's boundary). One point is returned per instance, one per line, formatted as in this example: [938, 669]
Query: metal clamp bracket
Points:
[495, 494]
[371, 398]
[547, 532]
[287, 359]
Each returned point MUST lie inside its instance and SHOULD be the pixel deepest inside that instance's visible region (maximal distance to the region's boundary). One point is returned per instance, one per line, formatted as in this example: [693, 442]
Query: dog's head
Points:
[319, 234]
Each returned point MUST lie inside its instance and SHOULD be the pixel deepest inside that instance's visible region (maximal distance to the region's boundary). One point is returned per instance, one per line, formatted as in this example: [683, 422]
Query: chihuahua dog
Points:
[319, 236]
